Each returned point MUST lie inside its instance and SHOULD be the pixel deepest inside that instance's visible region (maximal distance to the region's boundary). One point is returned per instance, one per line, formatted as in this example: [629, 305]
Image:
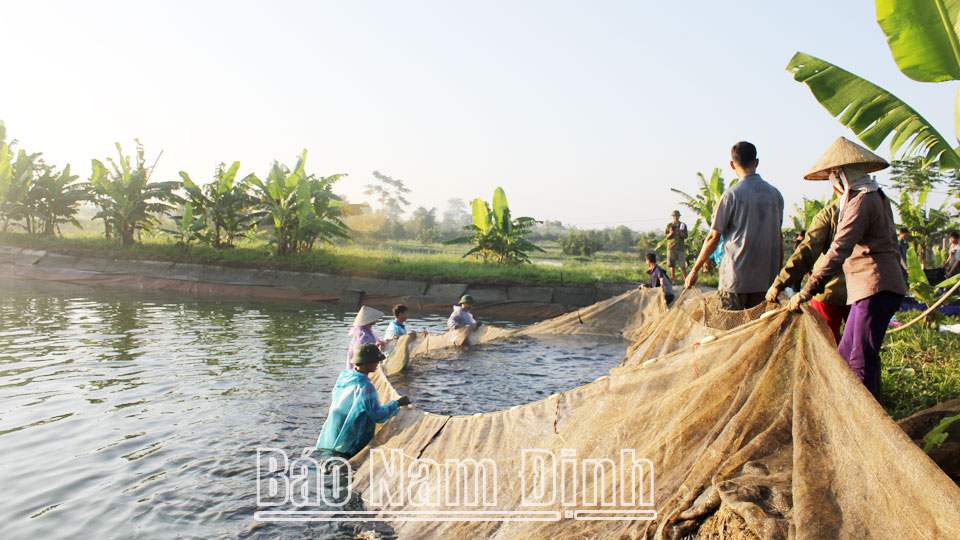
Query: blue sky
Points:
[586, 112]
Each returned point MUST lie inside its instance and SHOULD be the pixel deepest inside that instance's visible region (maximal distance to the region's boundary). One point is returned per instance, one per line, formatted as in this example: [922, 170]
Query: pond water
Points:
[130, 414]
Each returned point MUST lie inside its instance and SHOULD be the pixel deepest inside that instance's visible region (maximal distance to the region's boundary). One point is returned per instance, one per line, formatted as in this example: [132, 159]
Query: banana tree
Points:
[128, 201]
[923, 223]
[804, 215]
[188, 227]
[55, 198]
[301, 207]
[495, 235]
[16, 177]
[278, 201]
[923, 291]
[319, 212]
[922, 35]
[222, 204]
[707, 198]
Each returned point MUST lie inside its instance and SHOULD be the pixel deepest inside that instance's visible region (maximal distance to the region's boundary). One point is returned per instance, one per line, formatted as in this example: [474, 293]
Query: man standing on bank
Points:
[676, 234]
[748, 218]
[865, 250]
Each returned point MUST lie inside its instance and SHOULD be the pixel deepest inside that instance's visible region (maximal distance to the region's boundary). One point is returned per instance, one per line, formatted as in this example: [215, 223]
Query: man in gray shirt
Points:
[748, 218]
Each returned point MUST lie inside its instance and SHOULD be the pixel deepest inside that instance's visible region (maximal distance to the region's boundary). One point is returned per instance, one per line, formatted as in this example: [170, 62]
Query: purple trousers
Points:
[863, 336]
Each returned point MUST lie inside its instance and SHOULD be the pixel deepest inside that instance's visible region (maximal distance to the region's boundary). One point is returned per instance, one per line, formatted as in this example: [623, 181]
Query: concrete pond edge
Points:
[539, 301]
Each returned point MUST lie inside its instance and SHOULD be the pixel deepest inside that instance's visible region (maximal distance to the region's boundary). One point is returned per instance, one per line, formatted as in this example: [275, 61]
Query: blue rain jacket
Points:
[354, 412]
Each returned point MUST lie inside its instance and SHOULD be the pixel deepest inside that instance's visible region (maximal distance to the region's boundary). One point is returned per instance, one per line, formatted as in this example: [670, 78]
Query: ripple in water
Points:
[138, 414]
[497, 376]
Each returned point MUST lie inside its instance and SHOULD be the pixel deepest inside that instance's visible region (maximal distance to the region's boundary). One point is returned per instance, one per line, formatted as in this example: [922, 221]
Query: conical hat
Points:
[367, 315]
[843, 152]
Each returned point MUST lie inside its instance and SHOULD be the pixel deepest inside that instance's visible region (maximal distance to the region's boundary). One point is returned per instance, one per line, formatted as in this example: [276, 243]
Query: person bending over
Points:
[355, 409]
[658, 278]
[461, 316]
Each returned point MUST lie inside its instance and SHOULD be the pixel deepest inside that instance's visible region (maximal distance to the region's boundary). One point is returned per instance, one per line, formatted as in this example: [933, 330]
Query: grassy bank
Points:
[432, 261]
[921, 368]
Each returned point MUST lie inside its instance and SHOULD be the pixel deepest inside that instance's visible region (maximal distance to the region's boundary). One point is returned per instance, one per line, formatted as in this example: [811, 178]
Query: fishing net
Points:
[755, 431]
[621, 316]
[693, 318]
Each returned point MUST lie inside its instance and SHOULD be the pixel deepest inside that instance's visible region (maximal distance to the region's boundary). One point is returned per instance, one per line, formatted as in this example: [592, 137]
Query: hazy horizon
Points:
[586, 114]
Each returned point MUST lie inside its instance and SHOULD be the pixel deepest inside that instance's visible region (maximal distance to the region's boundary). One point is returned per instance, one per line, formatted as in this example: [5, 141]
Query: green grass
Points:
[920, 368]
[394, 259]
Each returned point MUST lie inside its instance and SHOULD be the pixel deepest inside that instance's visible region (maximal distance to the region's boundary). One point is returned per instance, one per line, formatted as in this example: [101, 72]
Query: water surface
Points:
[137, 414]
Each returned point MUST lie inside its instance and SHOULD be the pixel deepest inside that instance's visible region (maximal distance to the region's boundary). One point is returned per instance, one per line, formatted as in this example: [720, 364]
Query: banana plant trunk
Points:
[126, 235]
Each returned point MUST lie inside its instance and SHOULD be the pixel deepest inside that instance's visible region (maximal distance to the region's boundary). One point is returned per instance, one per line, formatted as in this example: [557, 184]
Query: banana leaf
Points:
[226, 181]
[922, 35]
[501, 210]
[187, 219]
[481, 215]
[949, 282]
[872, 112]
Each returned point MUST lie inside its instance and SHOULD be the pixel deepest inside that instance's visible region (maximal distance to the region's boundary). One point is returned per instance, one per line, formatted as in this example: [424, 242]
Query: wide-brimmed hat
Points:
[843, 152]
[367, 353]
[675, 213]
[466, 299]
[367, 315]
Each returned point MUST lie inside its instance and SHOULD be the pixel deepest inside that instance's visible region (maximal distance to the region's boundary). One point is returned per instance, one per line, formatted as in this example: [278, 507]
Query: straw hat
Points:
[843, 152]
[367, 315]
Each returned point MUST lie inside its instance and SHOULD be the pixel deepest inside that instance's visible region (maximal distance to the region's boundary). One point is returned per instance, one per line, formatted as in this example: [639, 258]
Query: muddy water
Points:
[138, 415]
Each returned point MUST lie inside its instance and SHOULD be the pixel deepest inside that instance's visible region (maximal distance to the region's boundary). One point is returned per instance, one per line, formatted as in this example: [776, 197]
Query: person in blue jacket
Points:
[355, 409]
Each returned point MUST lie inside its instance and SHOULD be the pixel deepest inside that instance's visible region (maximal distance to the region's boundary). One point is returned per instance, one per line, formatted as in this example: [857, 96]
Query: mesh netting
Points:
[762, 425]
[620, 316]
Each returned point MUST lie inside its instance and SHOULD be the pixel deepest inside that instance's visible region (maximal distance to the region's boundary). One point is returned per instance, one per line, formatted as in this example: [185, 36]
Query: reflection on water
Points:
[129, 414]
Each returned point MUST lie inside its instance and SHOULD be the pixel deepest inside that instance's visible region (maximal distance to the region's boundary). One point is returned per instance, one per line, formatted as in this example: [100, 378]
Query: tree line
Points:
[294, 208]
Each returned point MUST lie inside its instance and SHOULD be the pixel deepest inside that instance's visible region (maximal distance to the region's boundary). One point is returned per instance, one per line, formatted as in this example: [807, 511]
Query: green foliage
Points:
[301, 208]
[920, 368]
[319, 215]
[16, 178]
[923, 291]
[401, 259]
[923, 39]
[912, 176]
[54, 198]
[651, 241]
[422, 221]
[924, 224]
[188, 227]
[223, 205]
[579, 243]
[872, 112]
[495, 235]
[707, 197]
[429, 236]
[803, 217]
[936, 436]
[128, 201]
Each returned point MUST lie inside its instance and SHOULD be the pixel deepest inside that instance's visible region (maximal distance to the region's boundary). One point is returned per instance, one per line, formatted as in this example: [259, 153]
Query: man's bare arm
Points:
[709, 246]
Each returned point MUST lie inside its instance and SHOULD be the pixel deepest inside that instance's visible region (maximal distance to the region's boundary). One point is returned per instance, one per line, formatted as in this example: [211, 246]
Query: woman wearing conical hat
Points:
[362, 331]
[865, 250]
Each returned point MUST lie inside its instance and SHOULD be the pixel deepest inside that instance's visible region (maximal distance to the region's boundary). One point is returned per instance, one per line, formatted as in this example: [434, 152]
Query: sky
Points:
[584, 112]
